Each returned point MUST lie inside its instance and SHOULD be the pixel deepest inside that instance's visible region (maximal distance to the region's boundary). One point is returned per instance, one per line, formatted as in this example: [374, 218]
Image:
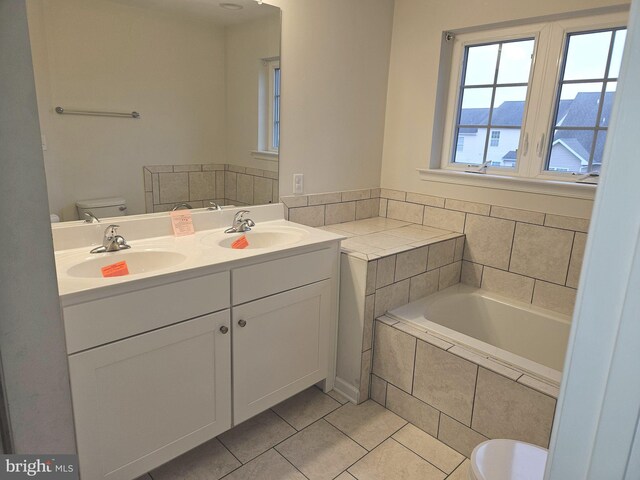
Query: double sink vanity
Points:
[197, 338]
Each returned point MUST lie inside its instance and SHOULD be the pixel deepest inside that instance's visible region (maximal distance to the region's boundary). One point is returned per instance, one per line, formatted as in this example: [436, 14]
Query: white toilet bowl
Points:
[507, 460]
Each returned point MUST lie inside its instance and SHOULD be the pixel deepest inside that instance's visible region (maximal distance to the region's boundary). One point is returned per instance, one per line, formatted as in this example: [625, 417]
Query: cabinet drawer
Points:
[142, 401]
[261, 280]
[102, 321]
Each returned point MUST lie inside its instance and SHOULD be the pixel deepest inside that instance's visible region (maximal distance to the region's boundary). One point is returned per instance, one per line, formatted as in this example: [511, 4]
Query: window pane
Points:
[515, 62]
[587, 55]
[470, 145]
[503, 152]
[616, 55]
[597, 154]
[475, 106]
[481, 64]
[608, 103]
[570, 151]
[509, 106]
[579, 103]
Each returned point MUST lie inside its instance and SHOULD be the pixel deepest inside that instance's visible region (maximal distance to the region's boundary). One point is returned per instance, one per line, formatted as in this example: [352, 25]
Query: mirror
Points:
[203, 76]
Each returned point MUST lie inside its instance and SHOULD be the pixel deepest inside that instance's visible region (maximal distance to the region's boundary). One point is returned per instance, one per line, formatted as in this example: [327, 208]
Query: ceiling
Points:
[206, 10]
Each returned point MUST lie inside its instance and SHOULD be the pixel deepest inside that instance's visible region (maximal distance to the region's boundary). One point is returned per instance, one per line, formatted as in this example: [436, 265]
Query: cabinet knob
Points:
[224, 329]
[242, 323]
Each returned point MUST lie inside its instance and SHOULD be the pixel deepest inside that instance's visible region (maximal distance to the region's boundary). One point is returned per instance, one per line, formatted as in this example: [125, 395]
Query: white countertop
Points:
[202, 252]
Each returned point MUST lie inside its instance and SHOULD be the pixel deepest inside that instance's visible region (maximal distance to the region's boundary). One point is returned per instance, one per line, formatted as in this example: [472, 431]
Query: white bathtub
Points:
[514, 333]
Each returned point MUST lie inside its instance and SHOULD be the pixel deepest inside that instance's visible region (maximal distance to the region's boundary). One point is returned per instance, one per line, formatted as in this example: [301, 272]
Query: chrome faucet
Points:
[112, 242]
[240, 224]
[213, 206]
[89, 217]
[179, 206]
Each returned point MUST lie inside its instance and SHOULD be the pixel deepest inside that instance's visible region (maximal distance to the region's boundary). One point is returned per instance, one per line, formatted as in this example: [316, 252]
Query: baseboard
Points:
[346, 390]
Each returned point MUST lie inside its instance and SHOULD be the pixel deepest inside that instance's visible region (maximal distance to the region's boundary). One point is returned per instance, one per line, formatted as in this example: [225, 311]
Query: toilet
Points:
[102, 207]
[507, 460]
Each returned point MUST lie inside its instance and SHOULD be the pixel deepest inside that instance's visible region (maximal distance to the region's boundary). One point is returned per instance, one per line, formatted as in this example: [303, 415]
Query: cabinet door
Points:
[281, 349]
[141, 401]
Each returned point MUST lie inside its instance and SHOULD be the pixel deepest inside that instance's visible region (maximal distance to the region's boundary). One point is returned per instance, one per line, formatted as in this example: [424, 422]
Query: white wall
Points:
[35, 379]
[246, 45]
[93, 54]
[411, 99]
[335, 58]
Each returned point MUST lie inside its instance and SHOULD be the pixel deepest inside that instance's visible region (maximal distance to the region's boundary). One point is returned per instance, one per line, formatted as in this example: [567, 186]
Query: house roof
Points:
[579, 112]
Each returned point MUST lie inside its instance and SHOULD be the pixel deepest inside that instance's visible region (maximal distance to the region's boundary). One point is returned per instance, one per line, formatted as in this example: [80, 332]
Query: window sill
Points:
[516, 184]
[265, 155]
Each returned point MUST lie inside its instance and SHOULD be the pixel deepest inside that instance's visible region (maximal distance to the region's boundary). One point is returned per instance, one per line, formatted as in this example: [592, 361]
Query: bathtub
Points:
[528, 338]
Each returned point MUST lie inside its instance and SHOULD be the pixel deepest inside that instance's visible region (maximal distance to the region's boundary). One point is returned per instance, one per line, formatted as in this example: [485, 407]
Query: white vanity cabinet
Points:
[152, 369]
[149, 398]
[282, 342]
[148, 380]
[280, 347]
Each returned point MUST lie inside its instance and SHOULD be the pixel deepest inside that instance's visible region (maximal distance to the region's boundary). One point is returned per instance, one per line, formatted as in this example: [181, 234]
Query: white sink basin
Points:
[260, 238]
[137, 262]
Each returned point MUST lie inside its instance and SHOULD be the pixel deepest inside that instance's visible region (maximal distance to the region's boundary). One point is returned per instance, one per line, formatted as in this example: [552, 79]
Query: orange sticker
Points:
[240, 243]
[115, 270]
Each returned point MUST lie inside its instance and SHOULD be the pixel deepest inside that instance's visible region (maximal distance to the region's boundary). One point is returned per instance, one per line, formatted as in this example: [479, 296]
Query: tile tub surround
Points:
[336, 440]
[456, 395]
[197, 184]
[387, 263]
[526, 255]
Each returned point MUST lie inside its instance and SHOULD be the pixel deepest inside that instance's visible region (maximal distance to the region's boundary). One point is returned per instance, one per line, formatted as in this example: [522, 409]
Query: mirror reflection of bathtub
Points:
[529, 338]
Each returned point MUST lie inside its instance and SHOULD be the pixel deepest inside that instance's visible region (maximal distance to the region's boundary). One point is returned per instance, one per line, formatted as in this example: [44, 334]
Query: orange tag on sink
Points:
[119, 269]
[240, 243]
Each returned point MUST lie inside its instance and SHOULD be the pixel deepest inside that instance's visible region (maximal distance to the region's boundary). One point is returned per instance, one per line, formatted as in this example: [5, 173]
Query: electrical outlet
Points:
[298, 183]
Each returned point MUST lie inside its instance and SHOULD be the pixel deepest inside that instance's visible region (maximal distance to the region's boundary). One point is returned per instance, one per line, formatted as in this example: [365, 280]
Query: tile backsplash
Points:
[526, 255]
[197, 184]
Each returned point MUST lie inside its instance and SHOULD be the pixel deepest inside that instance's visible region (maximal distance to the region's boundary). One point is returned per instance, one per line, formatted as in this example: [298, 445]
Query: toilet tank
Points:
[102, 207]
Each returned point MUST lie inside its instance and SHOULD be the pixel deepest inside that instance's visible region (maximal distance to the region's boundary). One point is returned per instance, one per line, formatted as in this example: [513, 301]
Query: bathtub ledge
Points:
[540, 386]
[487, 363]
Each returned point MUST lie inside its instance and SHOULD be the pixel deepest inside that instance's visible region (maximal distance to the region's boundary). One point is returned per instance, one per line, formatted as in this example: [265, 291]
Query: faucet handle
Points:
[111, 231]
[239, 216]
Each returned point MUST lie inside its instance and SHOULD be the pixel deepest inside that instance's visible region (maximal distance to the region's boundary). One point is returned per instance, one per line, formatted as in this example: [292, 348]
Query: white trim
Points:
[269, 156]
[595, 428]
[553, 187]
[347, 390]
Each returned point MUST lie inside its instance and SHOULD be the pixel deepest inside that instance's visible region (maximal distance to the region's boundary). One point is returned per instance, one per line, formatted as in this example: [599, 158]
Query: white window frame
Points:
[265, 149]
[548, 58]
[272, 66]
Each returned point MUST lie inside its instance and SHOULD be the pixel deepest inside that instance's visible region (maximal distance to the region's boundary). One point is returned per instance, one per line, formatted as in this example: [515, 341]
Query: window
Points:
[492, 91]
[584, 100]
[274, 104]
[533, 101]
[269, 82]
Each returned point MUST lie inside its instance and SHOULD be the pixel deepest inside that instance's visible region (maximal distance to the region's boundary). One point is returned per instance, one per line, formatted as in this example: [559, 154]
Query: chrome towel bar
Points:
[62, 111]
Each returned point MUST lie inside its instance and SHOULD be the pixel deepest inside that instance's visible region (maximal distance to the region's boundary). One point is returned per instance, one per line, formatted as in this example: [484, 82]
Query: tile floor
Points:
[316, 436]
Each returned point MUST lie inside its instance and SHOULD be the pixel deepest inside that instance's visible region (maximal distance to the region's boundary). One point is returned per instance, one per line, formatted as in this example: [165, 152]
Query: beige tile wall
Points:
[395, 280]
[529, 256]
[317, 210]
[198, 184]
[454, 394]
